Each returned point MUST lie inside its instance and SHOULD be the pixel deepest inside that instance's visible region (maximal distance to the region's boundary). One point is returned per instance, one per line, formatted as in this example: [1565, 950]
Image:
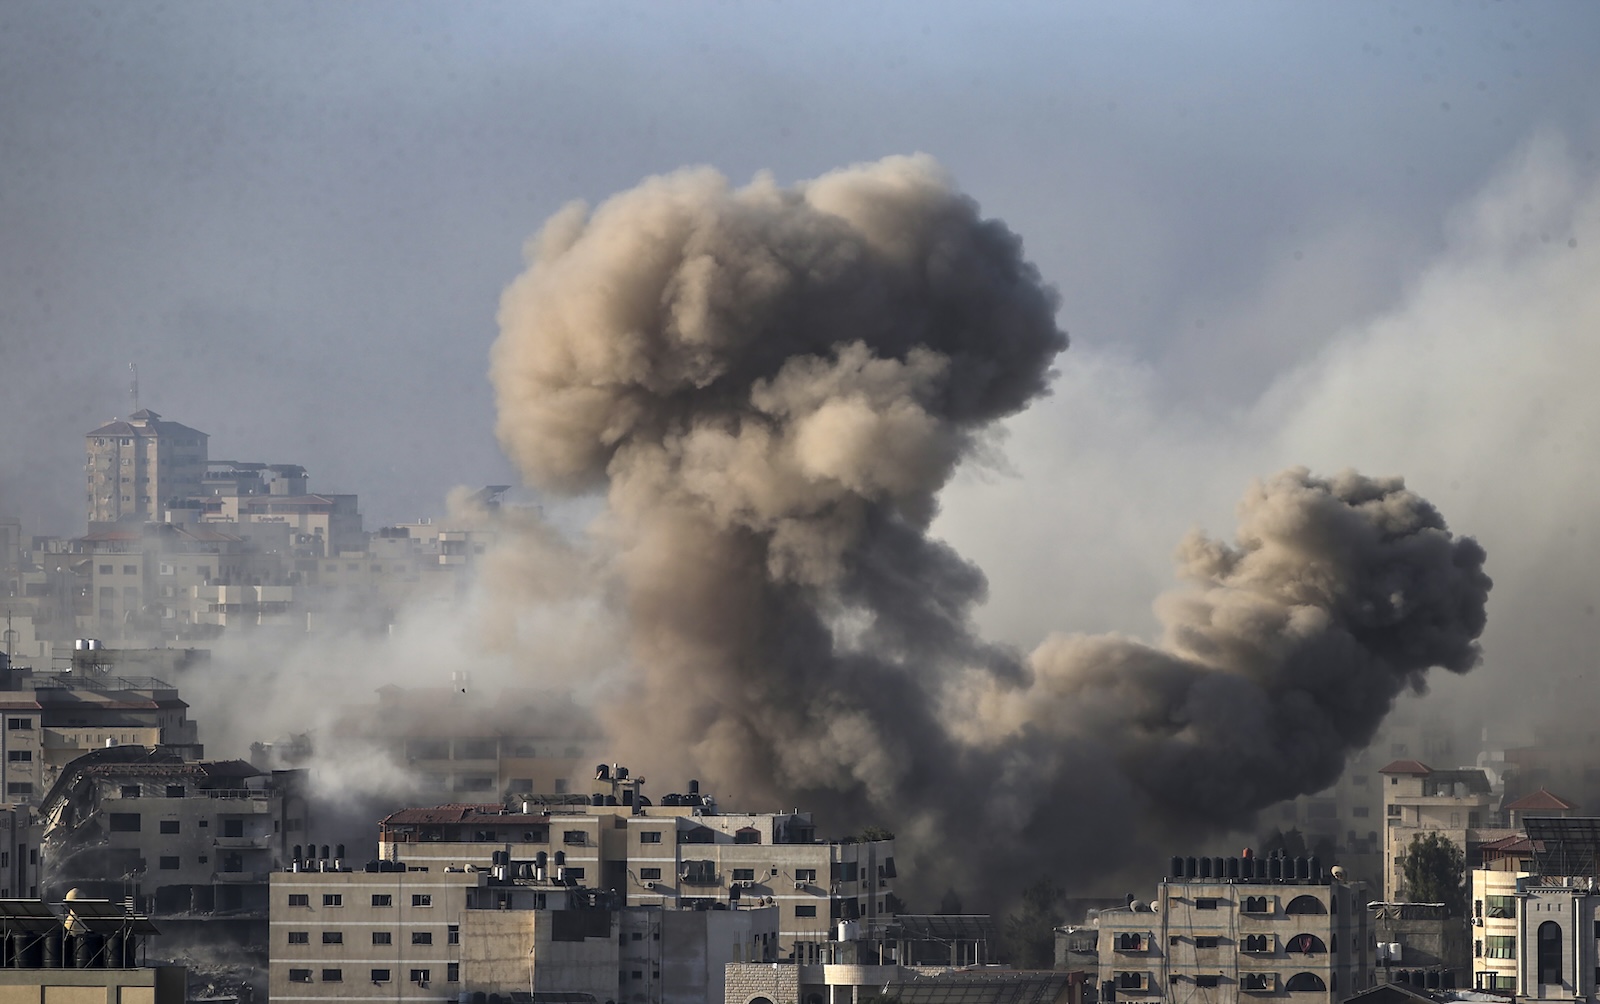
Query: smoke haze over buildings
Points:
[772, 385]
[1298, 235]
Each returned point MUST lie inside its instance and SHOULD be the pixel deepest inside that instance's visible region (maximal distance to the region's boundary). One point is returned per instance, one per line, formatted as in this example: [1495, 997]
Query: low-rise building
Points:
[397, 931]
[683, 853]
[1231, 930]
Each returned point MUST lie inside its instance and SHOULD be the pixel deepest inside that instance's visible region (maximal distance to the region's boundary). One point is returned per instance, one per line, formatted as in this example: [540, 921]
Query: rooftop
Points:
[1541, 801]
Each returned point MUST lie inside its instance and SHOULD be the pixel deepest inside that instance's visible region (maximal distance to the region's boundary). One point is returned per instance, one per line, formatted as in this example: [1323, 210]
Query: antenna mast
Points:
[133, 387]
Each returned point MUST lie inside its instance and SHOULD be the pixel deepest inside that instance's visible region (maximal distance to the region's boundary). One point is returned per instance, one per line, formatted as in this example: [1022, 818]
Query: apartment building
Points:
[191, 843]
[51, 719]
[135, 466]
[1232, 930]
[684, 853]
[1459, 805]
[397, 931]
[1494, 890]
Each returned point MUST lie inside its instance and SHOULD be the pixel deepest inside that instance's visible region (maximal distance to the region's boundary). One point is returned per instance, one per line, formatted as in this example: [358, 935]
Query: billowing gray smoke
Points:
[772, 385]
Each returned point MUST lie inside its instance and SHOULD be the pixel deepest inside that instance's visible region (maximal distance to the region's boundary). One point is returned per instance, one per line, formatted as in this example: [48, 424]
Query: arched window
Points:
[1549, 952]
[760, 1000]
[747, 835]
[1305, 904]
[1305, 982]
[1306, 944]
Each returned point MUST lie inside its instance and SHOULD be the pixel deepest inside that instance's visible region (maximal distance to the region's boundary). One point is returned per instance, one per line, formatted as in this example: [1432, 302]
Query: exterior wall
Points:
[354, 919]
[152, 985]
[1193, 947]
[1572, 913]
[511, 949]
[814, 885]
[778, 984]
[1495, 937]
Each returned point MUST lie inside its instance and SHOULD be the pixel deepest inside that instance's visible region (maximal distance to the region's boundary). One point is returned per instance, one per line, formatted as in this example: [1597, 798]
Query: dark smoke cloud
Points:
[772, 385]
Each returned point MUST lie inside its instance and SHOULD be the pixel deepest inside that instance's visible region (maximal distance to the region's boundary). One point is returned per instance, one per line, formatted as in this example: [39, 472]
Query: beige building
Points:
[135, 467]
[680, 853]
[52, 719]
[400, 931]
[1232, 930]
[1459, 805]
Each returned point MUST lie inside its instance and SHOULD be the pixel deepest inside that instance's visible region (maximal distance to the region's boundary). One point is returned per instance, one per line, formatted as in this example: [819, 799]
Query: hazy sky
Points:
[1272, 225]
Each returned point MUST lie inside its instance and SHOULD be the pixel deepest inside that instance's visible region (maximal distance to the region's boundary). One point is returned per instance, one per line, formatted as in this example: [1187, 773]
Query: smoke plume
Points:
[771, 385]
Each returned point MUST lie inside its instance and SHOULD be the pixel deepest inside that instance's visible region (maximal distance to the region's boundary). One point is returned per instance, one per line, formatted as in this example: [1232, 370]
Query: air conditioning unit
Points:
[1477, 921]
[746, 885]
[799, 885]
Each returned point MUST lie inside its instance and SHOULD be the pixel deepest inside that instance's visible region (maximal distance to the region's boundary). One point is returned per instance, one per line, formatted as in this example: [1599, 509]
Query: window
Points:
[332, 899]
[130, 791]
[299, 899]
[1505, 907]
[1256, 904]
[1305, 983]
[649, 874]
[420, 975]
[805, 874]
[1257, 943]
[382, 938]
[1550, 952]
[453, 934]
[1210, 980]
[382, 899]
[299, 976]
[637, 936]
[805, 911]
[744, 874]
[452, 972]
[1360, 812]
[106, 569]
[1255, 981]
[124, 822]
[380, 976]
[1306, 944]
[1305, 904]
[576, 874]
[169, 826]
[19, 788]
[1205, 942]
[422, 937]
[20, 756]
[421, 899]
[650, 837]
[169, 863]
[333, 976]
[299, 937]
[130, 569]
[574, 837]
[1205, 904]
[333, 937]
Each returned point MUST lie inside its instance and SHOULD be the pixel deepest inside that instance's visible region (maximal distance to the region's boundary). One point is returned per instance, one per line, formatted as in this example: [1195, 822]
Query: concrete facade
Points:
[674, 855]
[136, 466]
[1232, 940]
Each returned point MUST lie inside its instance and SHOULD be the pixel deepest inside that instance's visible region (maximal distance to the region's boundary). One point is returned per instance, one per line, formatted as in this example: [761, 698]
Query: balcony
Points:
[240, 878]
[259, 843]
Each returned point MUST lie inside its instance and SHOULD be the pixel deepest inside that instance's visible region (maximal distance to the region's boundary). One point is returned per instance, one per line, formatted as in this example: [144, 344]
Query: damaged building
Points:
[190, 843]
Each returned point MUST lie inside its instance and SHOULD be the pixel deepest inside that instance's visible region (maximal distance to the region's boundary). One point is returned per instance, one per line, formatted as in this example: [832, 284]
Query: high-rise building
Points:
[136, 466]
